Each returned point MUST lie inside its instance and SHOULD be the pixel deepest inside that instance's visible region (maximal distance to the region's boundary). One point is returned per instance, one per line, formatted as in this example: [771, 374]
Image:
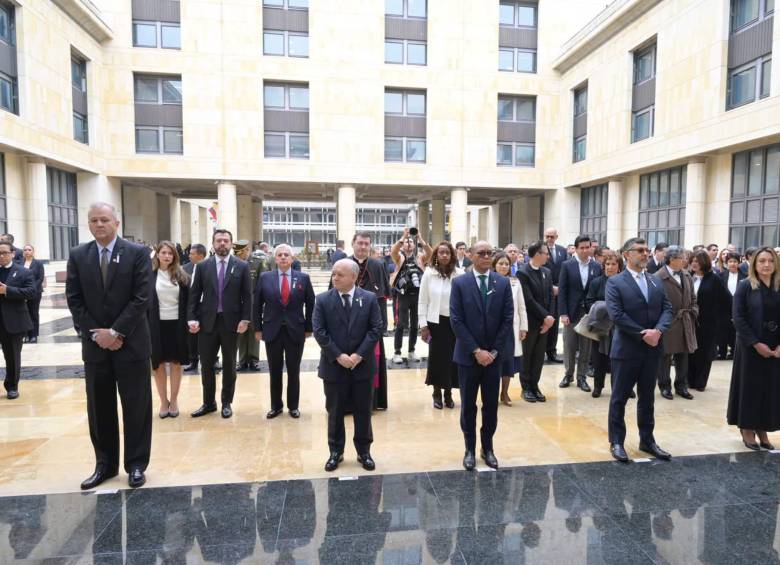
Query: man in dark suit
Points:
[281, 296]
[16, 288]
[197, 254]
[556, 256]
[481, 314]
[347, 325]
[219, 308]
[641, 312]
[18, 255]
[573, 283]
[658, 259]
[338, 254]
[107, 289]
[537, 283]
[463, 261]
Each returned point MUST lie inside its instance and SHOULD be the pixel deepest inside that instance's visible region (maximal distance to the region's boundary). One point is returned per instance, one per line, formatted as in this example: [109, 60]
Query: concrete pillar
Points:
[458, 215]
[93, 188]
[245, 217]
[438, 216]
[227, 215]
[164, 227]
[482, 226]
[532, 216]
[175, 215]
[185, 218]
[345, 216]
[695, 202]
[38, 209]
[423, 221]
[140, 206]
[518, 220]
[204, 227]
[615, 237]
[492, 225]
[257, 220]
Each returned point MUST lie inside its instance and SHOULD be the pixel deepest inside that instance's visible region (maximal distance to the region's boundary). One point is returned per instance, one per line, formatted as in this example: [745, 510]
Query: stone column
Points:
[175, 214]
[695, 202]
[518, 219]
[257, 220]
[93, 188]
[185, 215]
[37, 209]
[345, 216]
[492, 225]
[438, 215]
[615, 213]
[423, 221]
[204, 227]
[164, 227]
[227, 215]
[458, 215]
[245, 217]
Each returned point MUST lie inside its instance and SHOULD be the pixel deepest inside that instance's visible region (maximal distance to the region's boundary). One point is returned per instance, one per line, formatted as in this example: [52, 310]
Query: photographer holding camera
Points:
[409, 263]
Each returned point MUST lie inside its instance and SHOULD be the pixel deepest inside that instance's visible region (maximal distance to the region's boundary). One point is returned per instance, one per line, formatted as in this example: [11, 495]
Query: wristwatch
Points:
[113, 332]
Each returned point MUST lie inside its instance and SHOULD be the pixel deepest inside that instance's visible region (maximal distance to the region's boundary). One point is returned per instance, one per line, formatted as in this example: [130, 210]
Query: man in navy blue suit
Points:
[481, 314]
[347, 325]
[281, 296]
[573, 283]
[641, 312]
[555, 259]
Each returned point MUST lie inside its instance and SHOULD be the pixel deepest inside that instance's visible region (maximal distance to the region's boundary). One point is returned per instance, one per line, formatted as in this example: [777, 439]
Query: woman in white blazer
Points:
[433, 307]
[512, 358]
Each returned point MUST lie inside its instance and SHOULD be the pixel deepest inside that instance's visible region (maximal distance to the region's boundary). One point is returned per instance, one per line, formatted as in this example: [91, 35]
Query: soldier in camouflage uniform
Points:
[248, 354]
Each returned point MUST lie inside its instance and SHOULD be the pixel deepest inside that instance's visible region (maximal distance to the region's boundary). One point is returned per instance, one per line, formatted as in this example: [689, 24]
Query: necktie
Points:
[643, 285]
[677, 273]
[285, 289]
[347, 305]
[483, 288]
[104, 265]
[220, 284]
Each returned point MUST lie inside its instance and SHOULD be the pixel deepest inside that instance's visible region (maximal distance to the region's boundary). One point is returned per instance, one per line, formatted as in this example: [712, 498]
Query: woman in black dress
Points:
[754, 397]
[168, 324]
[731, 276]
[713, 299]
[433, 305]
[34, 306]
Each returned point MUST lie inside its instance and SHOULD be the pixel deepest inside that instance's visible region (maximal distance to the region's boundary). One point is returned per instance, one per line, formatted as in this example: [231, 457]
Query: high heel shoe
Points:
[752, 446]
[766, 445]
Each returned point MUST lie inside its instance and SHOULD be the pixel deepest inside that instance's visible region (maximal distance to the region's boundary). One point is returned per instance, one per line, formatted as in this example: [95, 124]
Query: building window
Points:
[158, 90]
[287, 4]
[515, 147]
[153, 34]
[3, 203]
[517, 14]
[7, 24]
[80, 128]
[406, 109]
[515, 154]
[158, 133]
[287, 102]
[8, 82]
[78, 79]
[63, 213]
[159, 139]
[401, 51]
[593, 212]
[755, 198]
[644, 64]
[662, 206]
[642, 124]
[8, 93]
[405, 150]
[580, 124]
[285, 43]
[525, 60]
[747, 12]
[749, 82]
[580, 148]
[404, 103]
[406, 8]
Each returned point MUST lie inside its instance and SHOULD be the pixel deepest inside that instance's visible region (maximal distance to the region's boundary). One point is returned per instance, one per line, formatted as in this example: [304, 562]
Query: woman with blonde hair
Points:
[754, 397]
[168, 324]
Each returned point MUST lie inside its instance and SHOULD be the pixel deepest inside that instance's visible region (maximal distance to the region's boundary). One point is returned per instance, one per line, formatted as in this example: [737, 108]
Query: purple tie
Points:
[221, 285]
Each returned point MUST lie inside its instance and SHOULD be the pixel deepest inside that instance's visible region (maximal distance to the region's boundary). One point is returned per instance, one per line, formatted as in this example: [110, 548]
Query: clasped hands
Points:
[651, 337]
[765, 351]
[349, 361]
[483, 357]
[194, 327]
[104, 339]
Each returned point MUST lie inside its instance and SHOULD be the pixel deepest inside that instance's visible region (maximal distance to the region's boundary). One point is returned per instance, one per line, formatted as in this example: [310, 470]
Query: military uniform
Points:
[248, 353]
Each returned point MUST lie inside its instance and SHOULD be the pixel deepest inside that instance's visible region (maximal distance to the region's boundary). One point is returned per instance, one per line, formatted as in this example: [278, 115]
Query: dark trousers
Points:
[680, 371]
[534, 346]
[406, 317]
[727, 337]
[192, 347]
[700, 364]
[359, 396]
[472, 380]
[552, 333]
[34, 307]
[627, 373]
[12, 352]
[600, 367]
[209, 344]
[134, 383]
[284, 351]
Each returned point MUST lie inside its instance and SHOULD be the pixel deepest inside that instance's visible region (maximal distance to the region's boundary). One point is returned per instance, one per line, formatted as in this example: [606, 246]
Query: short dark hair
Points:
[339, 244]
[704, 261]
[750, 251]
[534, 248]
[634, 240]
[660, 246]
[199, 248]
[734, 256]
[463, 243]
[8, 243]
[219, 231]
[711, 245]
[363, 234]
[580, 238]
[9, 237]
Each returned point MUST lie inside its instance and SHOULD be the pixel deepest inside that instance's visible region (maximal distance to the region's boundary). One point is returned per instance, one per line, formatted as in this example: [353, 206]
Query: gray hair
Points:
[349, 263]
[282, 246]
[99, 205]
[673, 252]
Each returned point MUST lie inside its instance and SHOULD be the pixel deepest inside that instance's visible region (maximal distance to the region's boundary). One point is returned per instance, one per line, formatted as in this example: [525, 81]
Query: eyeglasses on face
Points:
[484, 253]
[640, 250]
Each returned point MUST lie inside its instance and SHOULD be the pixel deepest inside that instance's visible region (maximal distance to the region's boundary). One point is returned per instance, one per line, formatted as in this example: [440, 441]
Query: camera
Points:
[413, 232]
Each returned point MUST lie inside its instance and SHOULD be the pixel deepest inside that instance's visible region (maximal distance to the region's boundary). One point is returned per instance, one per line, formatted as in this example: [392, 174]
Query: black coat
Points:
[555, 266]
[38, 274]
[19, 289]
[182, 331]
[714, 300]
[571, 297]
[122, 305]
[236, 294]
[538, 298]
[596, 291]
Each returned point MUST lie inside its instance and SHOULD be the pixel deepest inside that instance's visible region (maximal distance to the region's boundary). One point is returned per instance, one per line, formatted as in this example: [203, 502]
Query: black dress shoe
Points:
[227, 411]
[766, 445]
[99, 476]
[684, 393]
[655, 451]
[469, 461]
[12, 394]
[566, 381]
[254, 366]
[667, 394]
[583, 385]
[596, 392]
[333, 461]
[490, 458]
[449, 403]
[203, 410]
[632, 394]
[136, 478]
[554, 359]
[217, 366]
[752, 446]
[539, 396]
[191, 368]
[295, 413]
[274, 412]
[437, 403]
[32, 340]
[618, 452]
[529, 396]
[366, 461]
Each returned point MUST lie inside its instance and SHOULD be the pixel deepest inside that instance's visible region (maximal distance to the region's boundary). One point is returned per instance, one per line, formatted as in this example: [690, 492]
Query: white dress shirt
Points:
[433, 300]
[733, 282]
[696, 283]
[674, 276]
[110, 248]
[167, 296]
[584, 271]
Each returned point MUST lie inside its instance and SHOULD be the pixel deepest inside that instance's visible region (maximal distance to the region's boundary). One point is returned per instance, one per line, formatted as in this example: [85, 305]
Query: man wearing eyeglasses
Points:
[16, 288]
[641, 312]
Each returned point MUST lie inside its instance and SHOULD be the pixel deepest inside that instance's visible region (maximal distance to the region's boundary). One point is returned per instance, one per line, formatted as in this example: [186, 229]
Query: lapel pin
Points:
[360, 301]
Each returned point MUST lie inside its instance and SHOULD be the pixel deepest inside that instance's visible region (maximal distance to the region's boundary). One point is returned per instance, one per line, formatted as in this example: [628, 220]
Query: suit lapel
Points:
[635, 285]
[357, 302]
[113, 263]
[231, 264]
[476, 292]
[93, 265]
[276, 292]
[339, 305]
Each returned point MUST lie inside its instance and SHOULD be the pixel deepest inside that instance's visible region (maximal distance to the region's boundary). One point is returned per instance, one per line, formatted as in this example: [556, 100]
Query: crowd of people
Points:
[486, 314]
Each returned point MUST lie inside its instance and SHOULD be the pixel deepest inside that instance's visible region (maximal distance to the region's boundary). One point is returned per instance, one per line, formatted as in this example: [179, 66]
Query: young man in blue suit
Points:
[281, 296]
[347, 325]
[481, 314]
[641, 312]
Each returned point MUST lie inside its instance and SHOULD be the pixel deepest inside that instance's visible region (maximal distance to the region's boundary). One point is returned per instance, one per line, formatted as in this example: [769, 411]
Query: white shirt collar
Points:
[634, 273]
[583, 263]
[351, 294]
[532, 266]
[110, 247]
[477, 275]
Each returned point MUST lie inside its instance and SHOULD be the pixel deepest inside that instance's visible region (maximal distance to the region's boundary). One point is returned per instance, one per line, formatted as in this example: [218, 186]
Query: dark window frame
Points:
[3, 197]
[765, 201]
[757, 66]
[594, 206]
[516, 14]
[62, 204]
[761, 15]
[158, 34]
[639, 54]
[672, 234]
